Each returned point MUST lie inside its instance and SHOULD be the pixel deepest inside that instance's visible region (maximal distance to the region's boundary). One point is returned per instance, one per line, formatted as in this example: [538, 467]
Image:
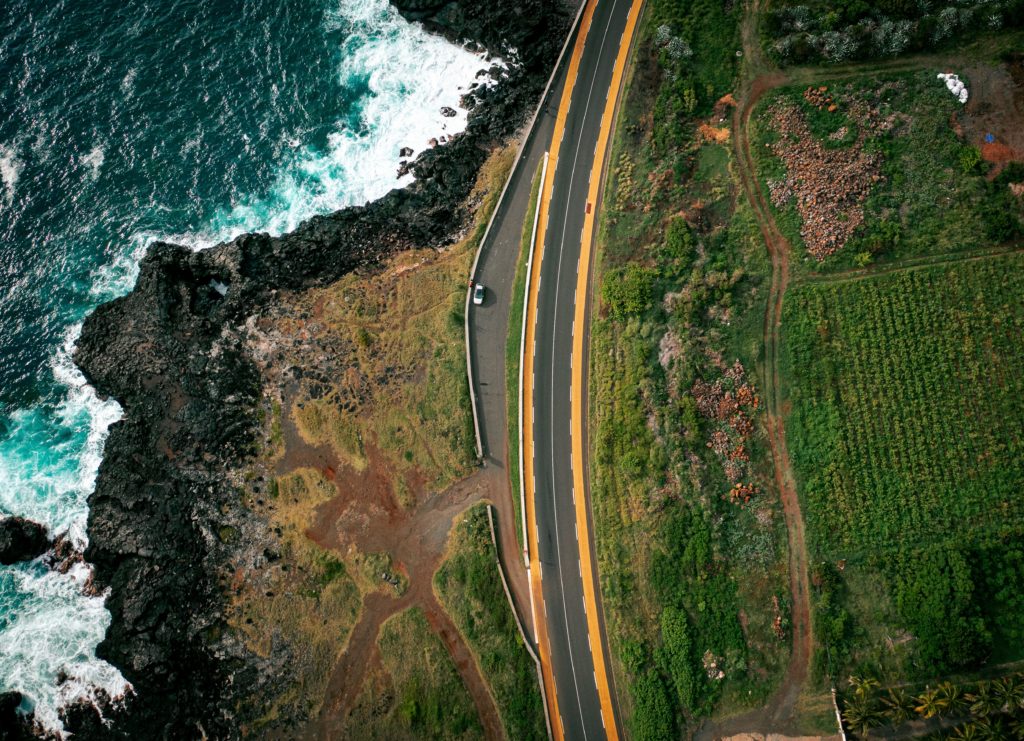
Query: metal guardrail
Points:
[494, 214]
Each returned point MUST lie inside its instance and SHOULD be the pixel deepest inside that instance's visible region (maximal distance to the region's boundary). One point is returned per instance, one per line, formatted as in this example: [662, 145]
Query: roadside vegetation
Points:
[906, 435]
[690, 538]
[512, 356]
[869, 171]
[468, 587]
[807, 31]
[414, 692]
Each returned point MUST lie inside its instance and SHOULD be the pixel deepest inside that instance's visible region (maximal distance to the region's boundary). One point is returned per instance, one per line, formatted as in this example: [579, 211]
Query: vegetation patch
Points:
[470, 590]
[799, 31]
[513, 345]
[415, 692]
[693, 578]
[304, 597]
[872, 171]
[972, 709]
[906, 436]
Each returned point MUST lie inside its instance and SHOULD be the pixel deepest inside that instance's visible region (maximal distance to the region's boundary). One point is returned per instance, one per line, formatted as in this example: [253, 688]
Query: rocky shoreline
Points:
[174, 353]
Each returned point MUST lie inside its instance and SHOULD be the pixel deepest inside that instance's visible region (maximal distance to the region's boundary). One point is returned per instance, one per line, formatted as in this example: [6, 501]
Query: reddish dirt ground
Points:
[367, 515]
[995, 107]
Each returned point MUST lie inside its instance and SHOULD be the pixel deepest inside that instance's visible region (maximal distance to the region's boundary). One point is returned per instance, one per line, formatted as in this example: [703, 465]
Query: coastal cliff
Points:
[174, 353]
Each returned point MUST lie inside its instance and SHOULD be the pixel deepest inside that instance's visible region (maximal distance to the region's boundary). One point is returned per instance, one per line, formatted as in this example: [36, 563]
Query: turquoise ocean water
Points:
[124, 121]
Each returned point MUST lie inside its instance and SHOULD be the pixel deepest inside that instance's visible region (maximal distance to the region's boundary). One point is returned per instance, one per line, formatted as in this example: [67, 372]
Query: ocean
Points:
[127, 121]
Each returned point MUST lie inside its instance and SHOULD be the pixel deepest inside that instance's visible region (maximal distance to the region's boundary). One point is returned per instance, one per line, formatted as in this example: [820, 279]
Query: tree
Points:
[929, 703]
[984, 701]
[861, 711]
[627, 291]
[967, 732]
[952, 698]
[899, 706]
[652, 712]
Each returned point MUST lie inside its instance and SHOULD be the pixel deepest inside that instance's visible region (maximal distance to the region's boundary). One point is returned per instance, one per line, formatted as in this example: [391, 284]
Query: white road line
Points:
[554, 327]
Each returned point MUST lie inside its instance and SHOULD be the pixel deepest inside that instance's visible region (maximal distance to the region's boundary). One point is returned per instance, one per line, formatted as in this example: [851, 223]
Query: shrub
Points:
[628, 291]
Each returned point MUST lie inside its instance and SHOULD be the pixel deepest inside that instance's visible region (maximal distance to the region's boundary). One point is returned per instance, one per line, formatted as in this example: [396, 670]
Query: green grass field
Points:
[468, 586]
[907, 434]
[429, 698]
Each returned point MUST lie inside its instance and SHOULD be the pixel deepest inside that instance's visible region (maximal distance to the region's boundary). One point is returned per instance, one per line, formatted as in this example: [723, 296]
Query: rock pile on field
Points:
[830, 185]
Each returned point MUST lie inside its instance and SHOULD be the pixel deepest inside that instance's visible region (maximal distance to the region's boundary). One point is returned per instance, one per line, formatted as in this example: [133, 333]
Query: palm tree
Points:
[898, 705]
[966, 732]
[1009, 692]
[984, 701]
[1017, 728]
[860, 717]
[953, 698]
[991, 728]
[860, 706]
[929, 703]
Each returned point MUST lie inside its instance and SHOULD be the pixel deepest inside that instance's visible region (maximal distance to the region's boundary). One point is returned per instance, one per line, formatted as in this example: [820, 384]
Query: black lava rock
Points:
[21, 540]
[173, 353]
[13, 726]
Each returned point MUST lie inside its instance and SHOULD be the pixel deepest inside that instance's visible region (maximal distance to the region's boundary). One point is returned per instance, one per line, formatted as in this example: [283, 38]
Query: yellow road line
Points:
[540, 624]
[579, 473]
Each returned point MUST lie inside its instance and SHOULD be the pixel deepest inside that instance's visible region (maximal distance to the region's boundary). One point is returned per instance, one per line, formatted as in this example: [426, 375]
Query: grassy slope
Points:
[400, 330]
[313, 608]
[404, 333]
[427, 698]
[512, 348]
[686, 577]
[468, 587]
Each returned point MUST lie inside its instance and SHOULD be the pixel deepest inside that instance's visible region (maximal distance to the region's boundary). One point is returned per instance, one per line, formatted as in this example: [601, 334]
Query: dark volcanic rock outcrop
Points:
[173, 352]
[21, 540]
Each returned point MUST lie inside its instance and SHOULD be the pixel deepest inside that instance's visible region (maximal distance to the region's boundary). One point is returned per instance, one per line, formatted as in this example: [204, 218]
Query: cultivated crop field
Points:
[907, 436]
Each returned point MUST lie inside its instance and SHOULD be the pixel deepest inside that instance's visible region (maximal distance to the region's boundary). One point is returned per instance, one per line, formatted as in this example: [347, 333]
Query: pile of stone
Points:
[829, 185]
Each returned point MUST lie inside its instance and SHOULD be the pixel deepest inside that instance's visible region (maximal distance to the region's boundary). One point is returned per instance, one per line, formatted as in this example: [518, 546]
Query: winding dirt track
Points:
[760, 76]
[365, 514]
[779, 712]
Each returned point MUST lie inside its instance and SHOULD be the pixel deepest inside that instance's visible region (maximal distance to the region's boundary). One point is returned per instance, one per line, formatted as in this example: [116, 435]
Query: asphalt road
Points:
[559, 548]
[570, 649]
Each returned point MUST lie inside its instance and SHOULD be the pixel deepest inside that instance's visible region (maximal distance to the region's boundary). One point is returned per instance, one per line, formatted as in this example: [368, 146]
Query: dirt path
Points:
[847, 276]
[779, 714]
[366, 515]
[780, 710]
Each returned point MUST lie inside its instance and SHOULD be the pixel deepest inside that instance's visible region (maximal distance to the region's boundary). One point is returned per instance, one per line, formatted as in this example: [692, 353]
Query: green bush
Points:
[652, 711]
[628, 291]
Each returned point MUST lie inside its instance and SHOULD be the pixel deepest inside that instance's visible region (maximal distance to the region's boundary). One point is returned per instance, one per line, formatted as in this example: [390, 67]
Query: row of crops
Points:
[907, 436]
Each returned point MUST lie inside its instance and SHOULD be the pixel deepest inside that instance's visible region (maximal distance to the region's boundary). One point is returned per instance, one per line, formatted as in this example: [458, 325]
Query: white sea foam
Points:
[50, 456]
[10, 171]
[49, 460]
[411, 76]
[94, 160]
[53, 629]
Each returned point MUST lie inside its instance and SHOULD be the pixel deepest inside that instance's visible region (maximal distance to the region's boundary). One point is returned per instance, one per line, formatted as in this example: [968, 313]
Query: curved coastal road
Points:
[555, 391]
[568, 625]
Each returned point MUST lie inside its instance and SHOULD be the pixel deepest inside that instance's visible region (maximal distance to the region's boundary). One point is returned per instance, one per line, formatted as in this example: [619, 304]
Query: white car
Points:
[478, 293]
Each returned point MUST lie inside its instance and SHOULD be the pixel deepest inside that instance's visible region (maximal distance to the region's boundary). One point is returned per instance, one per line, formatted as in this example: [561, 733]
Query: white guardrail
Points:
[494, 214]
